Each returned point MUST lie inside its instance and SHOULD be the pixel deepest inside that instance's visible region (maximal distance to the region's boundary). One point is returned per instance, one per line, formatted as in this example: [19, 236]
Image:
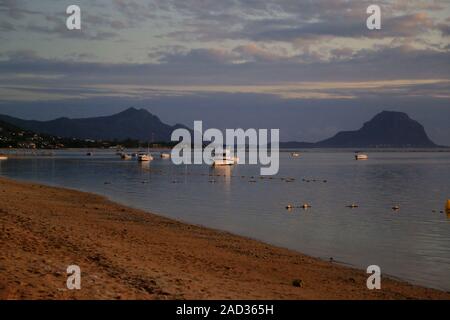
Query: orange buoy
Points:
[447, 208]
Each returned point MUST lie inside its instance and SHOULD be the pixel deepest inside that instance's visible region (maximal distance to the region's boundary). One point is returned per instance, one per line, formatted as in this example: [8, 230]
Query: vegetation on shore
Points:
[14, 137]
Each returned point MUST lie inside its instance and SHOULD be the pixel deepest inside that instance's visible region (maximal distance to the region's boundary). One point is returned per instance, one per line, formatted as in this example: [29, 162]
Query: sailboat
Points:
[225, 159]
[145, 156]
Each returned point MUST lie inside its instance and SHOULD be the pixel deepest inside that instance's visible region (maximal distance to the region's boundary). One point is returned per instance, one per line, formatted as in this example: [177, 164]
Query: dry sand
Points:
[130, 254]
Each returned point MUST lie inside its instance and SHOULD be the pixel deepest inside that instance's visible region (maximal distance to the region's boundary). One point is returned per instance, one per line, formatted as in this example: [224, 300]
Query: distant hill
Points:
[387, 129]
[129, 124]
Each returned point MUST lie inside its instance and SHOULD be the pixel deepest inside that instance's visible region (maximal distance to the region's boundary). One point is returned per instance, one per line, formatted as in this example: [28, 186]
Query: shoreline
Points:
[127, 253]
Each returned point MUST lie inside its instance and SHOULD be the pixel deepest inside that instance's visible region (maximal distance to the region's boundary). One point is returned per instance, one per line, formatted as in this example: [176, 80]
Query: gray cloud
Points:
[14, 9]
[219, 67]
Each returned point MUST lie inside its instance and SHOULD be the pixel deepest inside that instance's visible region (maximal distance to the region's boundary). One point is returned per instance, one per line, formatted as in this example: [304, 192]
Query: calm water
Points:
[412, 244]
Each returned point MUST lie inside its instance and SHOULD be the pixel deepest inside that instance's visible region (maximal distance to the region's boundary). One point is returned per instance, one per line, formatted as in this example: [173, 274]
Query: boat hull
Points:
[217, 163]
[361, 157]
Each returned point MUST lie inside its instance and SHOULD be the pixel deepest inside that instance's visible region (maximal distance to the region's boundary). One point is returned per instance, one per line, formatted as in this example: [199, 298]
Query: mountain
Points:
[129, 124]
[386, 129]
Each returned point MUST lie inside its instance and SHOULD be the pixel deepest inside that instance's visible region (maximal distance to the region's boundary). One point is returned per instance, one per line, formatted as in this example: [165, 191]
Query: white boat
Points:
[225, 159]
[144, 157]
[361, 156]
[295, 154]
[3, 158]
[165, 155]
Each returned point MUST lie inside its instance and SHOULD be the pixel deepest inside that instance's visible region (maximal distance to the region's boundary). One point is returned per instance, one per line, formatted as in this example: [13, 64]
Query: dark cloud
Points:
[57, 27]
[14, 9]
[222, 67]
[7, 26]
[352, 26]
[286, 20]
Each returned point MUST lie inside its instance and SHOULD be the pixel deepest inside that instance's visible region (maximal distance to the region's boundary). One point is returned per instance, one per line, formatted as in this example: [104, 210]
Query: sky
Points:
[307, 67]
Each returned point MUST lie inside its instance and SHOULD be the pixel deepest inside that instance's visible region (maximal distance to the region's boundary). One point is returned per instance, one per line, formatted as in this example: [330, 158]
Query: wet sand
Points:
[126, 253]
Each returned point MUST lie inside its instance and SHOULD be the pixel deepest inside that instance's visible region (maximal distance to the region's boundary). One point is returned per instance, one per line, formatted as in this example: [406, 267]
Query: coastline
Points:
[126, 253]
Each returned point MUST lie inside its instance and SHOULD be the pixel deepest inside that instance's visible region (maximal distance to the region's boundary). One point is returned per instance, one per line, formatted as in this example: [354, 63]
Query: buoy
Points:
[395, 208]
[447, 208]
[306, 206]
[289, 207]
[353, 205]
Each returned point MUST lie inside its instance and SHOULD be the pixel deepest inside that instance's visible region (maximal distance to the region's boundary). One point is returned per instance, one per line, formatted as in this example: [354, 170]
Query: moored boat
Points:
[225, 159]
[361, 156]
[144, 157]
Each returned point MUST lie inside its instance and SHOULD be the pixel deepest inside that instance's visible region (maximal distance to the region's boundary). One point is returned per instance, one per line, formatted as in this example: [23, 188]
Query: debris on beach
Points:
[297, 283]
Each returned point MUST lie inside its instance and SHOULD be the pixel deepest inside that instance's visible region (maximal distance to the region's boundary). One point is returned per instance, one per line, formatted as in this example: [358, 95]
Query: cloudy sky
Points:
[308, 67]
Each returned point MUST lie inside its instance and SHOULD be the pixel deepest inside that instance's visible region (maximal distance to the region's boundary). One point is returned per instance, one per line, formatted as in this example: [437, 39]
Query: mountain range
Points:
[129, 124]
[387, 129]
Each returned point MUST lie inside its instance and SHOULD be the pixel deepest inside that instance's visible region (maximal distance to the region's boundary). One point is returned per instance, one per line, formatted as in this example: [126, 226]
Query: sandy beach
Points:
[126, 253]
